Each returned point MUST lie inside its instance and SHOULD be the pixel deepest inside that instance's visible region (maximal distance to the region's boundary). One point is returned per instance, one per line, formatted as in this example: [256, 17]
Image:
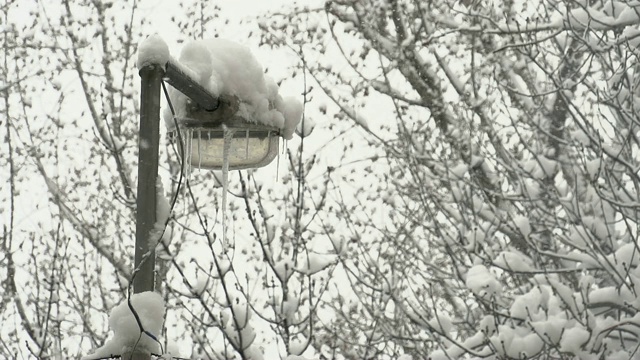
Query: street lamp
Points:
[206, 133]
[211, 125]
[215, 134]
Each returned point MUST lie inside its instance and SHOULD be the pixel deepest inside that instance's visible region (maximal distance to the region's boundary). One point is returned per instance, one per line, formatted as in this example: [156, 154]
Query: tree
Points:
[505, 162]
[257, 287]
[66, 104]
[70, 120]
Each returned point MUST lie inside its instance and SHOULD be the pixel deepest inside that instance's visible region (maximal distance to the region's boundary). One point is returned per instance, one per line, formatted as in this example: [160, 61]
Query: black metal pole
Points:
[151, 77]
[148, 146]
[188, 86]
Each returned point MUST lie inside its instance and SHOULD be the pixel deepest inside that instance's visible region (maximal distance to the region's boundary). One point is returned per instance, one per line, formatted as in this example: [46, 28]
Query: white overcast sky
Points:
[159, 13]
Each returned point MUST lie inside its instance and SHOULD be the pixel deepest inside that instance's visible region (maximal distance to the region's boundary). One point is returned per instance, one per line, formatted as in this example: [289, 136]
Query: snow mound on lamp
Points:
[229, 70]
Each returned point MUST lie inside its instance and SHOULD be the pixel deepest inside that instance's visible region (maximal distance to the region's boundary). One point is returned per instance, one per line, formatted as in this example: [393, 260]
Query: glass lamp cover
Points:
[248, 148]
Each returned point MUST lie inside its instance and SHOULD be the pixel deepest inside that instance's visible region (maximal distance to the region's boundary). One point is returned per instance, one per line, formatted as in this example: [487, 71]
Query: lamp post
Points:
[146, 203]
[208, 119]
[209, 122]
[151, 77]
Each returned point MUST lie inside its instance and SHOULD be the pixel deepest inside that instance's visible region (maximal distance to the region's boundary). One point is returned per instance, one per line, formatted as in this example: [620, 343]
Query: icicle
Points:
[246, 145]
[278, 161]
[199, 152]
[188, 141]
[228, 137]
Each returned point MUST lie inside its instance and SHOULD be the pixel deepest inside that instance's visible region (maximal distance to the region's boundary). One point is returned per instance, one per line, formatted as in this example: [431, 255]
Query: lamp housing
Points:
[206, 133]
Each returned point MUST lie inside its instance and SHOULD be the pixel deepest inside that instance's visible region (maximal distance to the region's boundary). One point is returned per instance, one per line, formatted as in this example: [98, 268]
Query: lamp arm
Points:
[180, 80]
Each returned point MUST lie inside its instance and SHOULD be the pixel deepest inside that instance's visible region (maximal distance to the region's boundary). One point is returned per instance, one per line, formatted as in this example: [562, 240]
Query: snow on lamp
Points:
[243, 129]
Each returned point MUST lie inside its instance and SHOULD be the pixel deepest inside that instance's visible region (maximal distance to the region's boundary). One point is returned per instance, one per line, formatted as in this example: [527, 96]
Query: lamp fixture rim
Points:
[234, 124]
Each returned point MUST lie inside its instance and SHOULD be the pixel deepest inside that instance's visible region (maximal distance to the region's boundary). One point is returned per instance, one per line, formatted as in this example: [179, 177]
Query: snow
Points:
[597, 226]
[549, 166]
[459, 170]
[573, 339]
[475, 237]
[163, 210]
[305, 127]
[601, 18]
[361, 120]
[628, 16]
[288, 308]
[225, 316]
[516, 343]
[253, 353]
[611, 295]
[563, 296]
[292, 111]
[297, 346]
[162, 204]
[126, 333]
[441, 323]
[316, 262]
[225, 68]
[533, 168]
[527, 305]
[153, 51]
[632, 35]
[580, 18]
[201, 283]
[526, 347]
[550, 329]
[515, 261]
[579, 236]
[224, 265]
[523, 224]
[241, 313]
[593, 168]
[283, 268]
[627, 255]
[530, 188]
[482, 282]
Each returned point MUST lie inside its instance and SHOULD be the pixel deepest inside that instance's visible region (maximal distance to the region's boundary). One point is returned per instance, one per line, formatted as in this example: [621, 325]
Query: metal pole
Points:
[148, 146]
[146, 203]
[188, 86]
